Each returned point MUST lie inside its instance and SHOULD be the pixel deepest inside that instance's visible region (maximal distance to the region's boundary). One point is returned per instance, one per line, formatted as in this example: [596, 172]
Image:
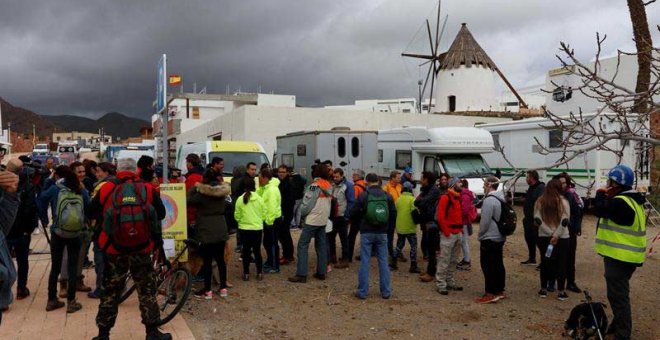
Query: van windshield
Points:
[465, 165]
[234, 159]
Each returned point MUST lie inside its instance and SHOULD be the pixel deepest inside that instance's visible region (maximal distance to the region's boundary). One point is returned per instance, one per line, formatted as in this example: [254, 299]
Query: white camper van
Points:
[520, 148]
[349, 150]
[453, 150]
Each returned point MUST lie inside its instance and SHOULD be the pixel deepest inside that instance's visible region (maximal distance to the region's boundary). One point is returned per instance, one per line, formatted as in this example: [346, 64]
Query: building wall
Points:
[405, 105]
[263, 124]
[276, 100]
[473, 87]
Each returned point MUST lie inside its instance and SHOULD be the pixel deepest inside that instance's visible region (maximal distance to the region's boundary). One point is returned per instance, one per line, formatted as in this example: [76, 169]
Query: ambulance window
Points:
[341, 147]
[355, 146]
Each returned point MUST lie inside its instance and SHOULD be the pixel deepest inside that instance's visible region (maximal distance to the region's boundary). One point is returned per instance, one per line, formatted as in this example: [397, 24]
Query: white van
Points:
[234, 153]
[453, 150]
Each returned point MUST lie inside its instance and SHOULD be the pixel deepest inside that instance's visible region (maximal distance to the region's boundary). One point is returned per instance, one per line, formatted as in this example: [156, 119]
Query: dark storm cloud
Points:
[90, 57]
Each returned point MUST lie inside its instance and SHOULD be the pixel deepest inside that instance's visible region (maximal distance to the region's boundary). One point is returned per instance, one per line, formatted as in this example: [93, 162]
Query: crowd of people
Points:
[97, 205]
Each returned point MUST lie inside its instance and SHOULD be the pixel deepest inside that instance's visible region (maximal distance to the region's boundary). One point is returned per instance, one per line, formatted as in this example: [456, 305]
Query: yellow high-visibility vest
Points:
[625, 243]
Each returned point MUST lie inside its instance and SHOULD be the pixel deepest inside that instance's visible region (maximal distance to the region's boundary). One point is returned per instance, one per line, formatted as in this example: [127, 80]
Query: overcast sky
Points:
[88, 57]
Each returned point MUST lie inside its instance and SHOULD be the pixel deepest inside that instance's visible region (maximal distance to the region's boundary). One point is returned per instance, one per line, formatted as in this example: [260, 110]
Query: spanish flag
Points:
[175, 79]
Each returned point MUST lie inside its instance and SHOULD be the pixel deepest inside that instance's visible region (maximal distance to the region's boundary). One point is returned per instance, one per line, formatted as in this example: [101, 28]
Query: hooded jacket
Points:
[359, 187]
[450, 213]
[491, 211]
[272, 200]
[210, 201]
[250, 216]
[548, 230]
[194, 176]
[404, 208]
[426, 202]
[393, 190]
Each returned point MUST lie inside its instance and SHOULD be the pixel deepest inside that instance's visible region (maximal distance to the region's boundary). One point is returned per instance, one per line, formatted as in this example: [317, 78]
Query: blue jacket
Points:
[8, 208]
[48, 197]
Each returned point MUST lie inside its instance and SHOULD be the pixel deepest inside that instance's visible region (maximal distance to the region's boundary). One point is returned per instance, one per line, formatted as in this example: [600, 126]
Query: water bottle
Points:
[548, 252]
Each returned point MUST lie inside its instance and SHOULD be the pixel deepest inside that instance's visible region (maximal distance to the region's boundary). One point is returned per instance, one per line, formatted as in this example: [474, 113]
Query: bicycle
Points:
[173, 281]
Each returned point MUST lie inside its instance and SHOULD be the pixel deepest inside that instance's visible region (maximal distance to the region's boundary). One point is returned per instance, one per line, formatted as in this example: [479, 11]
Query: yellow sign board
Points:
[175, 225]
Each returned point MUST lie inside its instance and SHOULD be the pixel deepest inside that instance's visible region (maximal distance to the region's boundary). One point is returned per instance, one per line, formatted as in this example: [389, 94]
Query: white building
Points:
[403, 105]
[262, 124]
[561, 84]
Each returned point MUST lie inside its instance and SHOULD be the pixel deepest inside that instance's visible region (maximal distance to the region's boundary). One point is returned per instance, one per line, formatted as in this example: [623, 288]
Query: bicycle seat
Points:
[192, 243]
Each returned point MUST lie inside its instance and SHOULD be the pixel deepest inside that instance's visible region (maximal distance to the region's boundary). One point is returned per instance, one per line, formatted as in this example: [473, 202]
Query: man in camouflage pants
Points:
[117, 264]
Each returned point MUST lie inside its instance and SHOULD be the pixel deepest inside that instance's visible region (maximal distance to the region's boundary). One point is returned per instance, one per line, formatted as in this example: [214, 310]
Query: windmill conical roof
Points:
[465, 51]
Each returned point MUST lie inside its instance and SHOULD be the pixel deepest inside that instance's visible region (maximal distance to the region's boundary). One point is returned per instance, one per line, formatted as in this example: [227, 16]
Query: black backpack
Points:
[508, 218]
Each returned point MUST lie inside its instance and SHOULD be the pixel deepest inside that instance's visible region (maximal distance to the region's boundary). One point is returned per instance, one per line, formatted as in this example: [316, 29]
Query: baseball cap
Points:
[408, 170]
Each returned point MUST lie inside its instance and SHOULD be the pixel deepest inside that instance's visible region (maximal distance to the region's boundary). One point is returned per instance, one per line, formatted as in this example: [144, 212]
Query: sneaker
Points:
[80, 287]
[386, 297]
[53, 305]
[328, 269]
[94, 295]
[543, 293]
[562, 296]
[298, 279]
[224, 292]
[267, 267]
[73, 306]
[204, 294]
[22, 293]
[443, 291]
[488, 298]
[272, 271]
[528, 263]
[501, 296]
[319, 276]
[574, 288]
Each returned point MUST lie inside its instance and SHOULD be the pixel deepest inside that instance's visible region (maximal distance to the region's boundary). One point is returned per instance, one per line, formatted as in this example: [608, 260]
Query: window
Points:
[234, 159]
[431, 164]
[355, 147]
[470, 166]
[452, 103]
[555, 138]
[380, 155]
[402, 158]
[195, 114]
[301, 150]
[341, 147]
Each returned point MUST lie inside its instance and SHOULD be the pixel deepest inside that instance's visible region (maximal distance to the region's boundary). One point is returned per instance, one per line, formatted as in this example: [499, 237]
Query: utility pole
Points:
[34, 135]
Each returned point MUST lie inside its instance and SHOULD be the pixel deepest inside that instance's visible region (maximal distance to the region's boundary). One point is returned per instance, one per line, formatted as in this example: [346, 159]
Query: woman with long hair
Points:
[249, 213]
[68, 202]
[551, 216]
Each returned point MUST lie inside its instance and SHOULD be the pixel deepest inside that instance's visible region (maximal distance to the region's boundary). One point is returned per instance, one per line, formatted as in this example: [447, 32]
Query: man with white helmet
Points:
[621, 240]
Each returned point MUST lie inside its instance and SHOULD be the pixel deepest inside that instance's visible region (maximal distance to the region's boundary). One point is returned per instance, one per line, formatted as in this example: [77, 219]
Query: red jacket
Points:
[193, 177]
[101, 202]
[450, 214]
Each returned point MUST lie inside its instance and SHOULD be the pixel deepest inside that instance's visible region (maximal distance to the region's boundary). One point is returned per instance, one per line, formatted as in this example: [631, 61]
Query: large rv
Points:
[234, 153]
[453, 150]
[347, 149]
[520, 148]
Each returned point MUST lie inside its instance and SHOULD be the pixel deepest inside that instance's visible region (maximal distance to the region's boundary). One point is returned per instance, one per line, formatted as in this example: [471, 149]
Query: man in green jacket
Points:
[270, 192]
[406, 228]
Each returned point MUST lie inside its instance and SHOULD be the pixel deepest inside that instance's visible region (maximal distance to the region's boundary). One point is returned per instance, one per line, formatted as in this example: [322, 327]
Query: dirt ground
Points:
[276, 308]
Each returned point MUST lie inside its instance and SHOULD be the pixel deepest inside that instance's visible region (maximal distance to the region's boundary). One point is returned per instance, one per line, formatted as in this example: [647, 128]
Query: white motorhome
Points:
[520, 148]
[453, 150]
[347, 149]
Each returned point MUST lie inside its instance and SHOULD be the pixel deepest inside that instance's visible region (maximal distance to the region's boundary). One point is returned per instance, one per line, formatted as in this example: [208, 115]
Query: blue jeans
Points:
[373, 243]
[321, 246]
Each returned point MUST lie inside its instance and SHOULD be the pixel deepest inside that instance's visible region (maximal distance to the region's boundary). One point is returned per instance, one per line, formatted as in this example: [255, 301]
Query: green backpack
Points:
[70, 213]
[378, 211]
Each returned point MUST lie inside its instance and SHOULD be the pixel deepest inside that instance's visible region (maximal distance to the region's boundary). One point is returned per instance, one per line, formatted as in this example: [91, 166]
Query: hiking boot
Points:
[104, 334]
[319, 276]
[571, 286]
[443, 291]
[73, 306]
[488, 298]
[414, 270]
[155, 334]
[298, 279]
[80, 287]
[22, 293]
[464, 266]
[426, 278]
[203, 294]
[393, 264]
[53, 305]
[63, 288]
[341, 265]
[528, 262]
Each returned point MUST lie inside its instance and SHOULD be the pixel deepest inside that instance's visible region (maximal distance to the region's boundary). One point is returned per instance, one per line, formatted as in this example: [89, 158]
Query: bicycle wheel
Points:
[129, 288]
[173, 293]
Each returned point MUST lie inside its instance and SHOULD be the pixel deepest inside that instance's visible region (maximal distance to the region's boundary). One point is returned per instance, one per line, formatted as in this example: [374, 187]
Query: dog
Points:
[581, 323]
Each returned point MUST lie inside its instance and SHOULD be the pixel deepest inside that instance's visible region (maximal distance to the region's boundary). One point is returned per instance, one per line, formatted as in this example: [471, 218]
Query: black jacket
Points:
[616, 209]
[575, 225]
[360, 209]
[26, 216]
[427, 202]
[288, 197]
[533, 193]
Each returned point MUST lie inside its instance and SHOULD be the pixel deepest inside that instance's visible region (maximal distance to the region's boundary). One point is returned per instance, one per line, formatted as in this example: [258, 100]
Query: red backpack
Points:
[130, 217]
